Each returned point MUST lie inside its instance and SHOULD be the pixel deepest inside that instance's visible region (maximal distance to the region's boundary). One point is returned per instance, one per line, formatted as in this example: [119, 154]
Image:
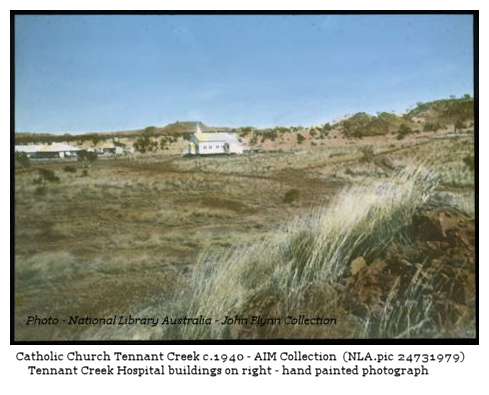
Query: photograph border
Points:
[286, 341]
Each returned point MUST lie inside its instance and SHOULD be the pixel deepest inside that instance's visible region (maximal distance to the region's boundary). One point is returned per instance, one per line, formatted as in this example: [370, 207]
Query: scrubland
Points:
[379, 234]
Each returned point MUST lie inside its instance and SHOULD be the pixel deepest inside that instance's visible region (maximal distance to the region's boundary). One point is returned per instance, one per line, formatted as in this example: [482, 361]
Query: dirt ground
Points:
[120, 235]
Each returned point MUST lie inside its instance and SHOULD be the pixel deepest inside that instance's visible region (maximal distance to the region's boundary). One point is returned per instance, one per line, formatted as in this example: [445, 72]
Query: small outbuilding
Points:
[108, 149]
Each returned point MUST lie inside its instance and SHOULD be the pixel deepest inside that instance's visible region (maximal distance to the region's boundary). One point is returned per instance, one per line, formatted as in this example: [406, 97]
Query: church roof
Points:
[211, 136]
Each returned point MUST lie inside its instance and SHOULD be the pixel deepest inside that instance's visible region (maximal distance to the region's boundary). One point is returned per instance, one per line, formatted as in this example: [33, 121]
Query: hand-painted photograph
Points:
[244, 177]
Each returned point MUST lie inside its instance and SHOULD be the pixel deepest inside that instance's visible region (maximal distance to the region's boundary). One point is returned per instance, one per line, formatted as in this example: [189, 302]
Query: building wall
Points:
[235, 148]
[213, 147]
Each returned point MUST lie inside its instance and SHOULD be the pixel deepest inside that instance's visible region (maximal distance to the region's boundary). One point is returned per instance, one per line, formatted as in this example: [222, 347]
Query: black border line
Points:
[248, 12]
[386, 341]
[476, 162]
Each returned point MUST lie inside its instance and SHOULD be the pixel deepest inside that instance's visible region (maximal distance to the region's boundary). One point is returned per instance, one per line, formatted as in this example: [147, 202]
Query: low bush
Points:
[69, 169]
[22, 159]
[367, 153]
[291, 195]
[48, 175]
[87, 156]
[469, 161]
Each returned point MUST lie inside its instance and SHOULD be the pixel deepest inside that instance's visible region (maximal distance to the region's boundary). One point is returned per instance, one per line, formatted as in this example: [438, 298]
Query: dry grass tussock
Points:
[302, 269]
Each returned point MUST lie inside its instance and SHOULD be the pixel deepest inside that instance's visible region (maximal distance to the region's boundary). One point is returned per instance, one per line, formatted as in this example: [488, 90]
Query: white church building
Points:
[202, 143]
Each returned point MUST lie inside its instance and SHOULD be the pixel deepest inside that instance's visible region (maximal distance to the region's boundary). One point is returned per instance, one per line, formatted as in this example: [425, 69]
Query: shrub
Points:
[150, 129]
[165, 141]
[430, 127]
[45, 176]
[22, 159]
[469, 161]
[144, 143]
[48, 175]
[245, 131]
[291, 195]
[69, 169]
[269, 134]
[403, 131]
[300, 138]
[459, 125]
[367, 153]
[87, 156]
[40, 191]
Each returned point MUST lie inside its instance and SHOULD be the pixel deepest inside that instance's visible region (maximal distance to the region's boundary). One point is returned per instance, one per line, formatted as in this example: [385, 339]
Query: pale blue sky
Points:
[86, 73]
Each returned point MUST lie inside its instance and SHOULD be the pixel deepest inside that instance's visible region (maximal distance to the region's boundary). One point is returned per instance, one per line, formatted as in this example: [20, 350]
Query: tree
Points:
[165, 142]
[94, 138]
[87, 156]
[144, 144]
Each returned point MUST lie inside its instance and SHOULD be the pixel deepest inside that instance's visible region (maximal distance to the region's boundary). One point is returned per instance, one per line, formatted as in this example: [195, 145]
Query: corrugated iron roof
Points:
[229, 138]
[214, 136]
[45, 148]
[105, 144]
[28, 148]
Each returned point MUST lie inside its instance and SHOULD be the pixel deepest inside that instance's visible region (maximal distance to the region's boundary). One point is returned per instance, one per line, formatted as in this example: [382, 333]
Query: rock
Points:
[366, 291]
[444, 224]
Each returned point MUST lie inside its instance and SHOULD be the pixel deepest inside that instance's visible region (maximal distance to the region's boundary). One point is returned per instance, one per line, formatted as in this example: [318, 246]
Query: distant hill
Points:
[444, 112]
[431, 116]
[174, 129]
[362, 124]
[179, 129]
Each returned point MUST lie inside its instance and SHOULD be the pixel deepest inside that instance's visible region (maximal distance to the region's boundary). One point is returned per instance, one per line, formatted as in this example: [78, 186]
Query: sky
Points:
[92, 73]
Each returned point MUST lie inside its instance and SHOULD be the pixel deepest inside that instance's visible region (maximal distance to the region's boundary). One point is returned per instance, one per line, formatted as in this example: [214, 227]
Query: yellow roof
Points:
[57, 148]
[230, 138]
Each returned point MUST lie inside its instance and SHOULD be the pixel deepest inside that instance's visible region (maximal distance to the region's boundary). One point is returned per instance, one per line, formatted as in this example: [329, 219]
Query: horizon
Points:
[79, 74]
[334, 121]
